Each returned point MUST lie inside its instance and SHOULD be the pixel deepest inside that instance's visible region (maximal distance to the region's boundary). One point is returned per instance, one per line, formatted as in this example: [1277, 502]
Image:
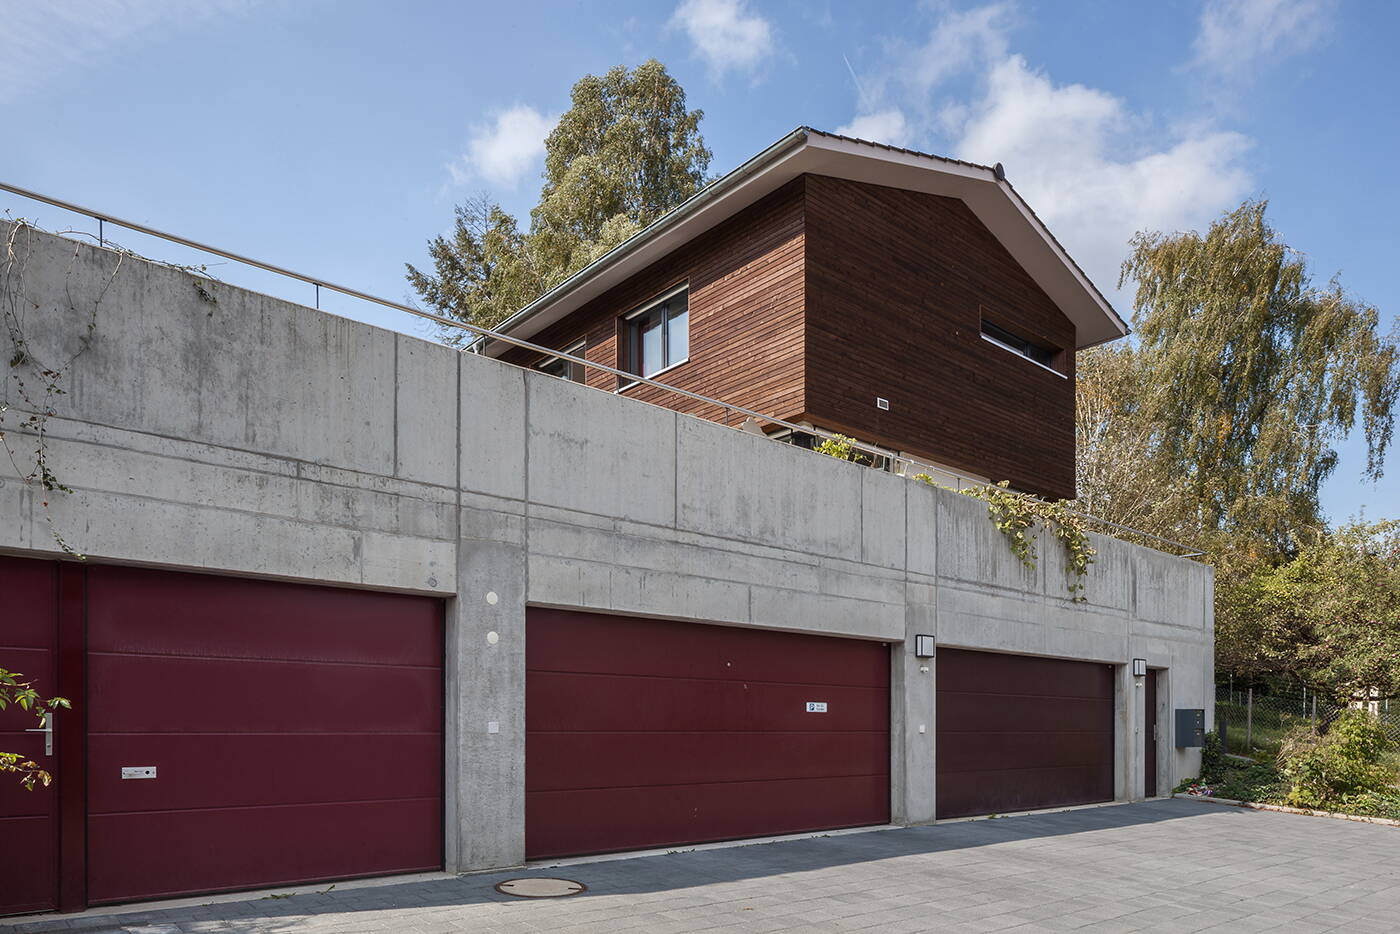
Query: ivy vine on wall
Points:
[38, 379]
[1016, 515]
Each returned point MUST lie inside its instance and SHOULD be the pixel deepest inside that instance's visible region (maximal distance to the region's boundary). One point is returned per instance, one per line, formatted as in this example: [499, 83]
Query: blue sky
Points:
[334, 137]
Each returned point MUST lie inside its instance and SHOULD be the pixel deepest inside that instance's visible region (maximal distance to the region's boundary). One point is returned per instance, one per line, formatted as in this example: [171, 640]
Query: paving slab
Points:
[1164, 865]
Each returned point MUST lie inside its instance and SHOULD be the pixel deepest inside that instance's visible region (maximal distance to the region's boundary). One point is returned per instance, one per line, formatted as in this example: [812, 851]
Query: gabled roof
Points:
[984, 189]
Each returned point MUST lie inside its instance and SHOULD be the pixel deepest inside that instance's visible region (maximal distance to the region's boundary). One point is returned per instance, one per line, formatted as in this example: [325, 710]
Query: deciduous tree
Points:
[1222, 418]
[626, 152]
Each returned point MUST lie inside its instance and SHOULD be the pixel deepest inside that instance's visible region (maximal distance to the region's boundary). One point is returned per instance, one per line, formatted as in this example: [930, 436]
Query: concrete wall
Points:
[247, 435]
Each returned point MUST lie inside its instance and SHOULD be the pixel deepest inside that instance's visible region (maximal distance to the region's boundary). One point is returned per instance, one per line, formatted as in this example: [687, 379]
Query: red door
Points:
[296, 733]
[644, 733]
[28, 819]
[1016, 732]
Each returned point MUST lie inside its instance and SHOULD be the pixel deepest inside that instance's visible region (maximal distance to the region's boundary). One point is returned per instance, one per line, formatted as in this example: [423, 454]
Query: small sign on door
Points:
[816, 706]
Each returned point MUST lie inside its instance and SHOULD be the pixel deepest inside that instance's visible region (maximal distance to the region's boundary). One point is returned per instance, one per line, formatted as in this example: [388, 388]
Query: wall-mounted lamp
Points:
[1139, 668]
[923, 646]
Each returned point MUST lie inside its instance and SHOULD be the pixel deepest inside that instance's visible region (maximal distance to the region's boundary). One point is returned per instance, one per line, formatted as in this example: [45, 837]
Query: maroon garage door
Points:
[295, 733]
[1017, 733]
[646, 733]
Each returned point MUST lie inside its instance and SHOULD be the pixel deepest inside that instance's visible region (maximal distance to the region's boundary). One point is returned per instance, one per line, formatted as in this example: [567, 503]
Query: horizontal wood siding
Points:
[897, 284]
[746, 304]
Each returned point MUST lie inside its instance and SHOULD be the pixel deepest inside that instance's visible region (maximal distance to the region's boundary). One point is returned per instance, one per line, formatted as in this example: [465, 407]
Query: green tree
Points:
[626, 152]
[1219, 424]
[1329, 617]
[482, 273]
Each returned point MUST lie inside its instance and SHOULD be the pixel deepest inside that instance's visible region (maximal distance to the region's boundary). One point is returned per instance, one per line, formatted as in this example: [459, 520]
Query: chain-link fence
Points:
[1254, 721]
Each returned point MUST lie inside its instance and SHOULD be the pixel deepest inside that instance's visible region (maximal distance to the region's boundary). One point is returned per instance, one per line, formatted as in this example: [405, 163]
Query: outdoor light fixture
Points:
[923, 646]
[1139, 668]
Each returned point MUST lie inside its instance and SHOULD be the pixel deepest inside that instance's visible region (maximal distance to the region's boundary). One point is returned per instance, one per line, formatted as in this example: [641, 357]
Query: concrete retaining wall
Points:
[247, 435]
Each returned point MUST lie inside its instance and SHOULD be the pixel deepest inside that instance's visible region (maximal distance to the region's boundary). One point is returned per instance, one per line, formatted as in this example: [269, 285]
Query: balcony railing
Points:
[731, 415]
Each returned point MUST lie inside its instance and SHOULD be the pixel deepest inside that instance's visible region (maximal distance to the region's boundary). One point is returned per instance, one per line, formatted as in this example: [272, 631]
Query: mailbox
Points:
[1190, 728]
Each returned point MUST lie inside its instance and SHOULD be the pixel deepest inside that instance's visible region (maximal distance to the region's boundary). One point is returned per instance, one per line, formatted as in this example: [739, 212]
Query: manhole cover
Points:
[540, 888]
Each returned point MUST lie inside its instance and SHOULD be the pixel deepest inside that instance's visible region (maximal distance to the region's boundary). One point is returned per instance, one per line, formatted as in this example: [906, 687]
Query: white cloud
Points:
[503, 150]
[960, 41]
[44, 41]
[1238, 36]
[885, 126]
[1095, 171]
[725, 34]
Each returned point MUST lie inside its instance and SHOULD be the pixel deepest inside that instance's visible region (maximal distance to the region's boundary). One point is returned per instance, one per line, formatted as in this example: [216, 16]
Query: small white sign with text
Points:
[816, 706]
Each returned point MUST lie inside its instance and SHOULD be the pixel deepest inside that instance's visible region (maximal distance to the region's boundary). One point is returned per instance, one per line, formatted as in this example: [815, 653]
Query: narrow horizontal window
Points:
[565, 369]
[1036, 353]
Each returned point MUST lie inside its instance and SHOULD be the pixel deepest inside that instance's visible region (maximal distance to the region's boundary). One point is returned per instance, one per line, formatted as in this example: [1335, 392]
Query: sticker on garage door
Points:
[816, 706]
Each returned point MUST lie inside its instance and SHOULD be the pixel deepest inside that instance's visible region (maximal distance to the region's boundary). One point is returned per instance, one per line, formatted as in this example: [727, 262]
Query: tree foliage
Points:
[1329, 617]
[15, 691]
[1216, 427]
[1224, 415]
[626, 152]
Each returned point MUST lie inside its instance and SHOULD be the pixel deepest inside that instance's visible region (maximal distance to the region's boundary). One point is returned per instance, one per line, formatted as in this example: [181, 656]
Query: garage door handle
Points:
[47, 730]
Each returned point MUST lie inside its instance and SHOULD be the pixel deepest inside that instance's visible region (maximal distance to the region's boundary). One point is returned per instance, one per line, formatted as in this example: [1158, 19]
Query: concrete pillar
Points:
[912, 694]
[485, 755]
[1127, 735]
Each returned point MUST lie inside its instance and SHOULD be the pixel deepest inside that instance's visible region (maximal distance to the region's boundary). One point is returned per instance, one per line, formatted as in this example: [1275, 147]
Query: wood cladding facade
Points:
[897, 285]
[746, 283]
[828, 293]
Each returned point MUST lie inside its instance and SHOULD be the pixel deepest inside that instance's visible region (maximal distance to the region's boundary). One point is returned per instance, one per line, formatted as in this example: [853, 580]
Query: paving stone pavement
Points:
[1167, 865]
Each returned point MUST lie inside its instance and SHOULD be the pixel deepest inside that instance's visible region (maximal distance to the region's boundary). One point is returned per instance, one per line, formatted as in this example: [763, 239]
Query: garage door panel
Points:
[992, 793]
[656, 648]
[983, 672]
[621, 760]
[673, 733]
[141, 611]
[172, 852]
[641, 704]
[1018, 732]
[572, 822]
[27, 861]
[1013, 750]
[37, 666]
[982, 712]
[238, 770]
[296, 733]
[143, 693]
[29, 604]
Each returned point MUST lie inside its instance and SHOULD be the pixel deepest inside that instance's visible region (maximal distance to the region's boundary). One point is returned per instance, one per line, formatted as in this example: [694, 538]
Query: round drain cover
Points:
[540, 888]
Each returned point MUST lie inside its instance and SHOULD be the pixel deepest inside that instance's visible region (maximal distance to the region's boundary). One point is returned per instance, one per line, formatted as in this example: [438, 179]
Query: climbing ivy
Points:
[1017, 515]
[38, 381]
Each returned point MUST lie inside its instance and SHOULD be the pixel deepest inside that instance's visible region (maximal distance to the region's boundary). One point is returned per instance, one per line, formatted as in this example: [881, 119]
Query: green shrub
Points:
[1258, 781]
[1324, 771]
[1212, 759]
[1374, 804]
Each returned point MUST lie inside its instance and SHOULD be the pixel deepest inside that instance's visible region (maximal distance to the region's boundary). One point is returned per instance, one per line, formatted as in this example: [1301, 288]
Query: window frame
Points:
[629, 333]
[575, 372]
[1021, 346]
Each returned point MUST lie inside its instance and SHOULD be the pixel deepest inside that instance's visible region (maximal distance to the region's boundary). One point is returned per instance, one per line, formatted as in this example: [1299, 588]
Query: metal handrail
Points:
[631, 378]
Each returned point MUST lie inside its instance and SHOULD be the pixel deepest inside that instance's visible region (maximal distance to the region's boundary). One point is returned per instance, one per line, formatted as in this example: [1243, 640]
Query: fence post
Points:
[1314, 712]
[1249, 724]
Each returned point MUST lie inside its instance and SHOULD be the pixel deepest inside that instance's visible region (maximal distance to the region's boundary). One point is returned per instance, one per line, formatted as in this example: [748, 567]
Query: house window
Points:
[565, 369]
[1036, 353]
[658, 334]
